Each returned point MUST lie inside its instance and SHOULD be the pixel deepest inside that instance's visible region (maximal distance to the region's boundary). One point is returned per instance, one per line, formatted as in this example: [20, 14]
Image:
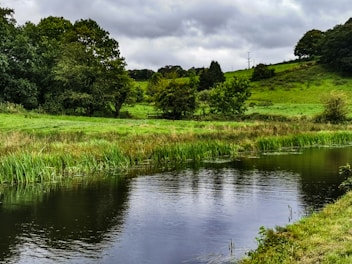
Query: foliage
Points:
[335, 108]
[310, 44]
[336, 48]
[77, 64]
[176, 100]
[229, 98]
[155, 85]
[346, 172]
[262, 71]
[211, 76]
[141, 75]
[172, 71]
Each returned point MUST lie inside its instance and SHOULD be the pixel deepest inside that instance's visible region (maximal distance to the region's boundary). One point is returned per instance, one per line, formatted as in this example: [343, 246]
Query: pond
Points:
[192, 215]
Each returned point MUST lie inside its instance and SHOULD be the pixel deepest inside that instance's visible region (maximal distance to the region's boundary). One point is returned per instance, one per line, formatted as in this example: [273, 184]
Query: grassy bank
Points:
[324, 237]
[40, 148]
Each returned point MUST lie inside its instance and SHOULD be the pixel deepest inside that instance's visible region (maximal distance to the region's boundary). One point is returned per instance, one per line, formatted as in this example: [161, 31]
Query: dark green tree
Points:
[336, 49]
[209, 77]
[7, 34]
[262, 71]
[229, 98]
[172, 71]
[47, 37]
[141, 75]
[310, 44]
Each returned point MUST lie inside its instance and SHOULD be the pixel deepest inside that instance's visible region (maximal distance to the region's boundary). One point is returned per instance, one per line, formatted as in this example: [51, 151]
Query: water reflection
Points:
[185, 216]
[60, 223]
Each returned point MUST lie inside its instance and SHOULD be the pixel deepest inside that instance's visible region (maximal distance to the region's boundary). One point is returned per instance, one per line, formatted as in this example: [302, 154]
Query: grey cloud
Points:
[155, 33]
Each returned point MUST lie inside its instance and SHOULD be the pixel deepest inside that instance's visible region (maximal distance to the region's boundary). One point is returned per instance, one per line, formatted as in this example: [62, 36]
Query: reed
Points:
[310, 139]
[53, 149]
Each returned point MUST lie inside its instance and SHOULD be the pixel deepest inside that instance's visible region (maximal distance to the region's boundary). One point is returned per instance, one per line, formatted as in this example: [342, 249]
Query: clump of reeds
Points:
[308, 139]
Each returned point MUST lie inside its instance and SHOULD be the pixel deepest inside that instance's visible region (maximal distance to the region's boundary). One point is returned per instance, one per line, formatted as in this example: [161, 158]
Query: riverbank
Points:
[41, 148]
[323, 237]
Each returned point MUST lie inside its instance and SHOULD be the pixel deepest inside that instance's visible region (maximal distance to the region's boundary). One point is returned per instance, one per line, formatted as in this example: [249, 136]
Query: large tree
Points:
[310, 44]
[7, 33]
[336, 49]
[91, 67]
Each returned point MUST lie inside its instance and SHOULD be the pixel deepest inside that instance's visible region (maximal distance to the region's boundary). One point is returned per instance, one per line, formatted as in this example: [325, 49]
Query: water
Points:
[185, 216]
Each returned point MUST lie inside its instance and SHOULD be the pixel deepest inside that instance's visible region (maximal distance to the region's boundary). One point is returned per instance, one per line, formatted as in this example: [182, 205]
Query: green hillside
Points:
[295, 91]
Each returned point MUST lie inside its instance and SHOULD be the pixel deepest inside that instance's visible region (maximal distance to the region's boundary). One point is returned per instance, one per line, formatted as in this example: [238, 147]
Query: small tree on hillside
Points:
[229, 98]
[262, 71]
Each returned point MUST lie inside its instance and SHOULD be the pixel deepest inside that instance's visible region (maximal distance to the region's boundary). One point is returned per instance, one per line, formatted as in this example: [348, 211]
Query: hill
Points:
[295, 91]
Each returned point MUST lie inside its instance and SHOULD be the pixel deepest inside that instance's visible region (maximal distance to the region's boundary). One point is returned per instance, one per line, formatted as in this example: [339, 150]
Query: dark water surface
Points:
[186, 216]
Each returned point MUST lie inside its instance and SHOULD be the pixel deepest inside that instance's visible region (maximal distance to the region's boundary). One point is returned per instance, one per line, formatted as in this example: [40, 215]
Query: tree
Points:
[229, 98]
[310, 44]
[90, 64]
[209, 77]
[336, 48]
[47, 37]
[141, 75]
[176, 100]
[262, 71]
[171, 71]
[7, 33]
[155, 84]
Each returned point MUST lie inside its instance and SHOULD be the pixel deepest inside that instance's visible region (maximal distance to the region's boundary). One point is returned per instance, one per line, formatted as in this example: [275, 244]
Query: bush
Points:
[262, 71]
[335, 108]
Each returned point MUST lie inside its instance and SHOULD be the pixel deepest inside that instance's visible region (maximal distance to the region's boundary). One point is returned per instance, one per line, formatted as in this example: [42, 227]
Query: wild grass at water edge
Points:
[27, 158]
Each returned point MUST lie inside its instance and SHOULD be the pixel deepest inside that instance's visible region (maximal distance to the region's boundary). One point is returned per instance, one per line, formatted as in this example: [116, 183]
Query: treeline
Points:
[61, 67]
[332, 47]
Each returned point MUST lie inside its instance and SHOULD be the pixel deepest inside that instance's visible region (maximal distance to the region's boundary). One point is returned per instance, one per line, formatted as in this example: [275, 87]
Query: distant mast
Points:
[249, 60]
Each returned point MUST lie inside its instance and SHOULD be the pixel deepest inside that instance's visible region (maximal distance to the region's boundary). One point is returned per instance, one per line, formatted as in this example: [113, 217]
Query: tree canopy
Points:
[211, 76]
[61, 67]
[310, 44]
[336, 49]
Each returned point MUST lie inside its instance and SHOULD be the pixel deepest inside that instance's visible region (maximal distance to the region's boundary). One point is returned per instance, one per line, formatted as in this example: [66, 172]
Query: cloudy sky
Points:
[155, 33]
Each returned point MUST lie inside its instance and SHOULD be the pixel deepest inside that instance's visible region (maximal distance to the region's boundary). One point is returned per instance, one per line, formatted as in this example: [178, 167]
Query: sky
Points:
[192, 33]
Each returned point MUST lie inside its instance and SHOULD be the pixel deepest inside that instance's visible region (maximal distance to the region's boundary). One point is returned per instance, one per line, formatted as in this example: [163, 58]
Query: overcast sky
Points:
[155, 33]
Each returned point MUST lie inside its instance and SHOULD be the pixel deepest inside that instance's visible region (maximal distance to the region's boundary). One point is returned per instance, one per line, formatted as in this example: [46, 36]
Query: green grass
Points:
[295, 91]
[324, 237]
[47, 148]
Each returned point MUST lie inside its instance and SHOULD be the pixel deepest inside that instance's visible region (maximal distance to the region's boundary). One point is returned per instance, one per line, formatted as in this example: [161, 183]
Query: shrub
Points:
[335, 108]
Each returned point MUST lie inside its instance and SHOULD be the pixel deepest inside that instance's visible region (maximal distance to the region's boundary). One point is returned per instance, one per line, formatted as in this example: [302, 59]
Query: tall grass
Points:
[310, 139]
[56, 149]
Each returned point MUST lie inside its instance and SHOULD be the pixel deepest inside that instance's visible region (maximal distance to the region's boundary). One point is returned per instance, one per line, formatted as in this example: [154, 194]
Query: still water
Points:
[186, 216]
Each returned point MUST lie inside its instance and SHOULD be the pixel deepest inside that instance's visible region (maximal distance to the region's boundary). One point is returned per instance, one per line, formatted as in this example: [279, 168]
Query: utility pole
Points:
[249, 60]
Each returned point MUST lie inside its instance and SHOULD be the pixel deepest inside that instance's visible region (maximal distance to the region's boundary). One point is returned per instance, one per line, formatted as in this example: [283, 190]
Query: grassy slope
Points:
[324, 237]
[296, 90]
